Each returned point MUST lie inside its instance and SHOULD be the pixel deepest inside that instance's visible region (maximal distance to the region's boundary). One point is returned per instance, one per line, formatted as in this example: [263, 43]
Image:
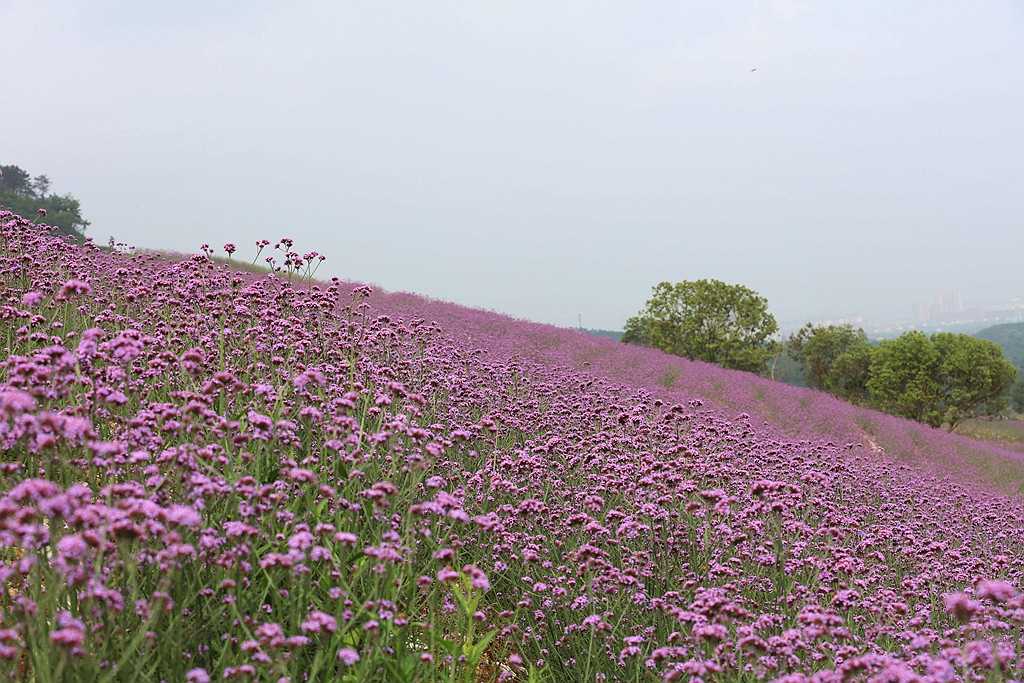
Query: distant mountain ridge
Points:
[1010, 336]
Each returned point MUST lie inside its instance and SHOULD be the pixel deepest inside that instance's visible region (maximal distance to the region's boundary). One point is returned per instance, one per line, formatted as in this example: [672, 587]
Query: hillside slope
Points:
[798, 412]
[297, 483]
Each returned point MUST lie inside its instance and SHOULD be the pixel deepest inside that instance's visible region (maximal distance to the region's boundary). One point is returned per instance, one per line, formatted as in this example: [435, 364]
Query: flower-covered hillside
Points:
[797, 412]
[216, 475]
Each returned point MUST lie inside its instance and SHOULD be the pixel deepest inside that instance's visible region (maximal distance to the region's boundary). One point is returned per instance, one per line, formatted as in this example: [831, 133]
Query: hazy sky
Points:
[545, 159]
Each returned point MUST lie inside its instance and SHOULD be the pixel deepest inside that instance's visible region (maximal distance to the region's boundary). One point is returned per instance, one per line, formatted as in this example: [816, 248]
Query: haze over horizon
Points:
[546, 160]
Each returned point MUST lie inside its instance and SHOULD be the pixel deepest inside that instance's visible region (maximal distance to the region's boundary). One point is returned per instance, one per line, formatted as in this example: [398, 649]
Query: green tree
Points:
[974, 375]
[25, 195]
[16, 180]
[849, 375]
[942, 379]
[706, 320]
[637, 330]
[903, 378]
[835, 358]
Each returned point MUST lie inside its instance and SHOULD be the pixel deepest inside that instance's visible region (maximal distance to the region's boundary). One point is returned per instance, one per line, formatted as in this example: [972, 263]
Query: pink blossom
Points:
[1000, 591]
[71, 632]
[197, 675]
[345, 538]
[447, 574]
[72, 548]
[477, 577]
[319, 621]
[301, 475]
[74, 287]
[961, 606]
[182, 515]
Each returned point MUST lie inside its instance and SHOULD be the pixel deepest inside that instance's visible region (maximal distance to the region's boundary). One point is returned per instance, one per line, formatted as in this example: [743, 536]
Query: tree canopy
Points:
[835, 358]
[706, 320]
[25, 195]
[942, 379]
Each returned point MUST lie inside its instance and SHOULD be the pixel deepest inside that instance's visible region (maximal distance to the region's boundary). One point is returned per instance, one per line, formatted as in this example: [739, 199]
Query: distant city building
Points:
[948, 307]
[1012, 311]
[922, 311]
[950, 302]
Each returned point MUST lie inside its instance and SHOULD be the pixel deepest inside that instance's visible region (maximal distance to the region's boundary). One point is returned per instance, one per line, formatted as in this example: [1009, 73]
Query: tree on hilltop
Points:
[706, 320]
[836, 359]
[849, 376]
[25, 195]
[14, 179]
[943, 379]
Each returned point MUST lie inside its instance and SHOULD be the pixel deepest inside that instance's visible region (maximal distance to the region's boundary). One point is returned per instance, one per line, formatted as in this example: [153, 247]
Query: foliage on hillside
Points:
[611, 334]
[1010, 337]
[1008, 433]
[835, 359]
[796, 412]
[1017, 396]
[943, 379]
[940, 379]
[24, 195]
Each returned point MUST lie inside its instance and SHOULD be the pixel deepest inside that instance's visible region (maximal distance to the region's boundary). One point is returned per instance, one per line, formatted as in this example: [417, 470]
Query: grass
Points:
[1008, 432]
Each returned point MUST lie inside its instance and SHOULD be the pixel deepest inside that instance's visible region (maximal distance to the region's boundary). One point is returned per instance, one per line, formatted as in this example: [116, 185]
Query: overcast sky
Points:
[546, 159]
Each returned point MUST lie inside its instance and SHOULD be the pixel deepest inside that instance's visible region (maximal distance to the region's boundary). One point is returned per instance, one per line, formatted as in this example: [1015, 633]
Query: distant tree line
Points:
[611, 334]
[941, 380]
[25, 195]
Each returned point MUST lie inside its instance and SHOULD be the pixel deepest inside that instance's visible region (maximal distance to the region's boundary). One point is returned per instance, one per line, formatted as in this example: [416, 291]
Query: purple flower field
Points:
[212, 474]
[795, 412]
